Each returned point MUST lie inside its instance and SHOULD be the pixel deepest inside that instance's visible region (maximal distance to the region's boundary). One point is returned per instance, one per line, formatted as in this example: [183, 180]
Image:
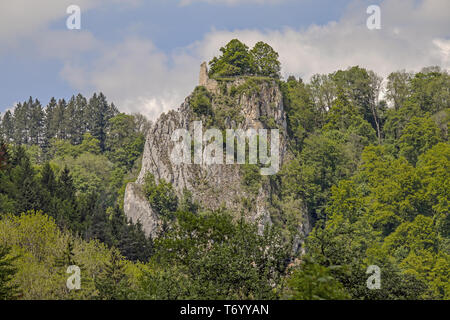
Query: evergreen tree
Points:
[124, 143]
[8, 291]
[66, 188]
[99, 227]
[99, 114]
[20, 124]
[49, 187]
[8, 126]
[68, 257]
[70, 123]
[67, 211]
[113, 283]
[80, 119]
[49, 125]
[48, 180]
[3, 154]
[57, 122]
[27, 190]
[36, 121]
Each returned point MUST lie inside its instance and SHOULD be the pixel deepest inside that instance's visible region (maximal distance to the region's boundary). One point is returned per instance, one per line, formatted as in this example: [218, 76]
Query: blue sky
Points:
[145, 55]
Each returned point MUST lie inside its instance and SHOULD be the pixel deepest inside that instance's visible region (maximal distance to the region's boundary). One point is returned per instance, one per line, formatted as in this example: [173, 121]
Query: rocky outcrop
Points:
[137, 208]
[250, 104]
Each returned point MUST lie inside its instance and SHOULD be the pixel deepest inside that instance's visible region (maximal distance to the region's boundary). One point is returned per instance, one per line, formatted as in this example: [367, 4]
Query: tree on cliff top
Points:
[265, 60]
[237, 60]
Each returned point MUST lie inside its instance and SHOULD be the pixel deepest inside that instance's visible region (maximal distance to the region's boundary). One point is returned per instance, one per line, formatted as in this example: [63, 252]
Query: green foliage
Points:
[89, 145]
[419, 135]
[238, 60]
[311, 281]
[201, 102]
[112, 283]
[372, 181]
[430, 89]
[302, 115]
[265, 60]
[234, 61]
[365, 196]
[251, 178]
[208, 256]
[124, 142]
[3, 154]
[8, 291]
[161, 195]
[398, 89]
[384, 203]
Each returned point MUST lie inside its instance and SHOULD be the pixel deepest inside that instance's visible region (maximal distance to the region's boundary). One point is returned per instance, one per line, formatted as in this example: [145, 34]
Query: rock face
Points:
[259, 105]
[138, 209]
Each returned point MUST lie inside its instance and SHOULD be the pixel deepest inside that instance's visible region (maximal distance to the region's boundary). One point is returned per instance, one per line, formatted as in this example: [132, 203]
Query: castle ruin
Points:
[204, 80]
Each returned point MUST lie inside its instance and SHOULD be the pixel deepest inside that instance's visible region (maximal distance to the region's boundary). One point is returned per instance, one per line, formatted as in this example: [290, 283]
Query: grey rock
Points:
[213, 186]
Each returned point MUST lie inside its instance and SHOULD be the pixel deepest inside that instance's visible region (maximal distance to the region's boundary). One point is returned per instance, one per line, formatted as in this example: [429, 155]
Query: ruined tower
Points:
[204, 80]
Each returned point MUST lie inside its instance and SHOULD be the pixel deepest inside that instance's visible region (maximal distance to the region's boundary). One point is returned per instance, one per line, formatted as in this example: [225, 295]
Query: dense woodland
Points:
[373, 174]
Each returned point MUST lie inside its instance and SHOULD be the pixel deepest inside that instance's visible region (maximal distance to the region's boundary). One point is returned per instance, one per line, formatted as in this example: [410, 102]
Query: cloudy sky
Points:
[145, 54]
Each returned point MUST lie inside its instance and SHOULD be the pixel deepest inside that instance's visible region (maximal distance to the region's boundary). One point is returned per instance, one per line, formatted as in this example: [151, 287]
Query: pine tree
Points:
[68, 257]
[8, 291]
[70, 122]
[48, 187]
[68, 213]
[35, 122]
[66, 187]
[99, 227]
[48, 180]
[58, 119]
[8, 126]
[49, 128]
[20, 124]
[3, 154]
[27, 190]
[99, 113]
[113, 283]
[80, 120]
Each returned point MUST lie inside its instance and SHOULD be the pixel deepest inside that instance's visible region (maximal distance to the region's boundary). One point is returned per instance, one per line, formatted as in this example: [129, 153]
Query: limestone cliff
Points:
[237, 103]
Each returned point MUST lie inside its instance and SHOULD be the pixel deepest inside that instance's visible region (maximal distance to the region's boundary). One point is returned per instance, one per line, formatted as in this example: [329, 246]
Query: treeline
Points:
[32, 124]
[72, 161]
[371, 173]
[374, 174]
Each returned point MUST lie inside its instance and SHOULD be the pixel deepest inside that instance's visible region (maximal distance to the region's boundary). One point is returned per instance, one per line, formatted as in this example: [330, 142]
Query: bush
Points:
[201, 101]
[161, 196]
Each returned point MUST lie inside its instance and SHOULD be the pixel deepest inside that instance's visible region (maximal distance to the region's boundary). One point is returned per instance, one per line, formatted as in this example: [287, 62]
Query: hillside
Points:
[333, 181]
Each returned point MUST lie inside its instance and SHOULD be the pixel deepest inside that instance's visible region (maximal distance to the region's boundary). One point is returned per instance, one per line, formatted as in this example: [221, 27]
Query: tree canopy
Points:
[238, 60]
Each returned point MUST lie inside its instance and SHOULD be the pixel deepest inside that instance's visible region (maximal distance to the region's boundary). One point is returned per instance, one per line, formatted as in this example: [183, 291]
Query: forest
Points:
[370, 163]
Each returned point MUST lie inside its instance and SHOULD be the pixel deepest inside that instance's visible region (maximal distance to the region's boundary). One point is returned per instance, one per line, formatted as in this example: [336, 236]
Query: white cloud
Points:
[136, 76]
[232, 2]
[21, 19]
